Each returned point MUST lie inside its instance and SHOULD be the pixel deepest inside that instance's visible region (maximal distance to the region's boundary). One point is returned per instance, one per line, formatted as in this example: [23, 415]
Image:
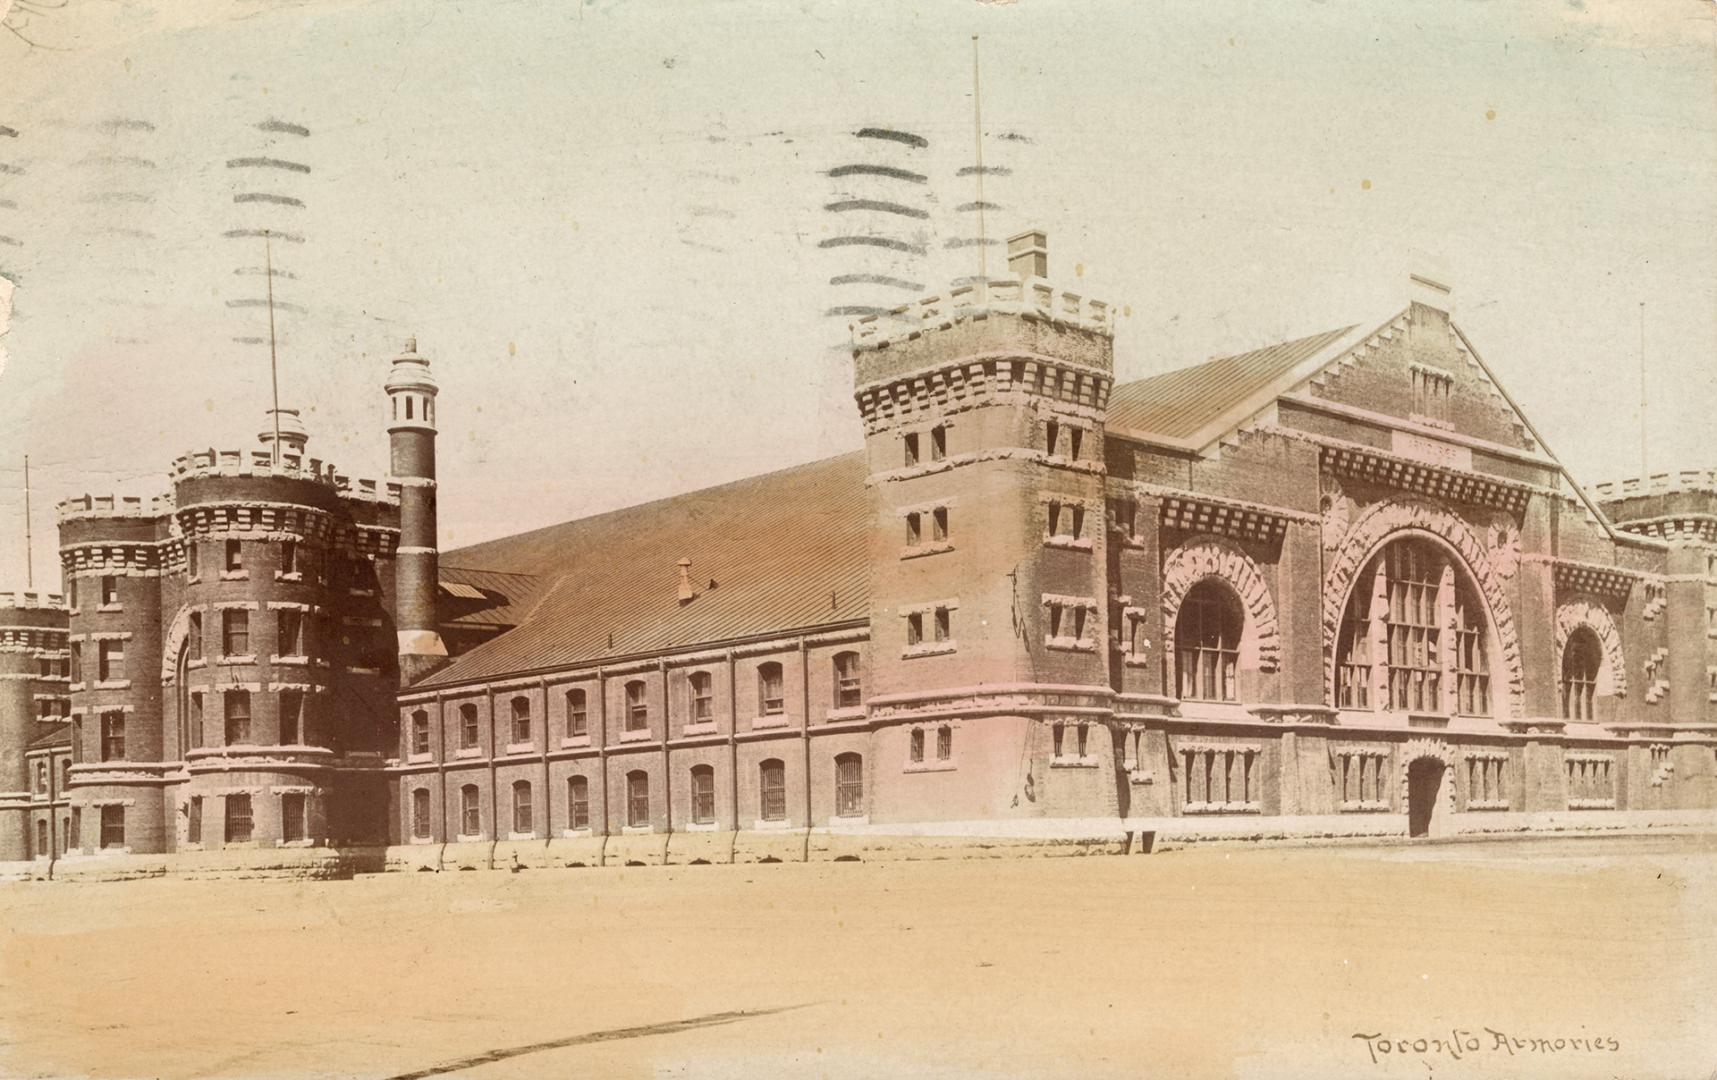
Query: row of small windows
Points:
[42, 775]
[938, 622]
[771, 799]
[288, 561]
[1060, 439]
[700, 689]
[427, 409]
[235, 641]
[934, 442]
[238, 821]
[236, 721]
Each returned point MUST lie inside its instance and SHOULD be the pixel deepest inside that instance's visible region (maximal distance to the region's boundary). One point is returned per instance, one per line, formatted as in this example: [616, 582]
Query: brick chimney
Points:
[1028, 254]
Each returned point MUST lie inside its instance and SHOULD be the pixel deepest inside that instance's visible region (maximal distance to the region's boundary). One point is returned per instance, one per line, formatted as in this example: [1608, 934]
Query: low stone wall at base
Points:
[1166, 834]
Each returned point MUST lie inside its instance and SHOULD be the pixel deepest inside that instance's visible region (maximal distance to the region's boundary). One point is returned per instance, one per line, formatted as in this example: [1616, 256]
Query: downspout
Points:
[439, 836]
[805, 735]
[602, 759]
[494, 810]
[548, 793]
[733, 753]
[667, 767]
[53, 829]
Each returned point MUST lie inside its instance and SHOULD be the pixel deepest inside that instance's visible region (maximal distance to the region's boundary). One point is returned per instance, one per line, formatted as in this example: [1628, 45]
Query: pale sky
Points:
[602, 225]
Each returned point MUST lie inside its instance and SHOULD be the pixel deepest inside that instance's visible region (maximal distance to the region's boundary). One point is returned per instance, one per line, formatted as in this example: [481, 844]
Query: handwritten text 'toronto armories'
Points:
[1461, 1042]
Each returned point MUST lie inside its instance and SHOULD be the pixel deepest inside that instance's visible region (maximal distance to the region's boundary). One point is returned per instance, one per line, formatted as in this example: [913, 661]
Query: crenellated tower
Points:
[984, 414]
[32, 704]
[411, 393]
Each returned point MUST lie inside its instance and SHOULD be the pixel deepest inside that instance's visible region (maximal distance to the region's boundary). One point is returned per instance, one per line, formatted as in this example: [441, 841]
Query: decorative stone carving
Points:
[1613, 676]
[1395, 518]
[1503, 540]
[1209, 556]
[1337, 511]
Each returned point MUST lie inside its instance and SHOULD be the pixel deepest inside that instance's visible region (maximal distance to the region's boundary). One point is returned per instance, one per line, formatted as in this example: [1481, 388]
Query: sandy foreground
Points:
[1241, 962]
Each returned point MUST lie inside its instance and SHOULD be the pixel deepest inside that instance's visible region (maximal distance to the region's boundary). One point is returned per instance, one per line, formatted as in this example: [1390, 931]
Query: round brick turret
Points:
[411, 393]
[32, 644]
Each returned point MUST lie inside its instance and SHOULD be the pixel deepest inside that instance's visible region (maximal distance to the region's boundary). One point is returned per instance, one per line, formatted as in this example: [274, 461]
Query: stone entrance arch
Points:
[1428, 787]
[1397, 518]
[1209, 556]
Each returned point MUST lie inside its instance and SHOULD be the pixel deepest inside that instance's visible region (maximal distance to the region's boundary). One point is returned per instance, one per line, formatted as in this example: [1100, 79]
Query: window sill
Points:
[196, 664]
[1363, 807]
[1487, 804]
[928, 766]
[1070, 762]
[1221, 808]
[240, 658]
[581, 833]
[703, 826]
[637, 830]
[112, 684]
[935, 648]
[109, 608]
[469, 838]
[295, 575]
[417, 759]
[765, 723]
[1591, 804]
[1068, 644]
[290, 658]
[363, 671]
[576, 741]
[1133, 660]
[849, 819]
[235, 575]
[919, 551]
[423, 840]
[772, 824]
[520, 747]
[294, 843]
[635, 736]
[1068, 542]
[1137, 775]
[702, 727]
[523, 836]
[853, 712]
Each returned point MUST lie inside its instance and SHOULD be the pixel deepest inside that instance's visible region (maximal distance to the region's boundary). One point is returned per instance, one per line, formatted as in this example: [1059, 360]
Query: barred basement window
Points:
[915, 745]
[637, 799]
[637, 706]
[235, 632]
[577, 802]
[289, 633]
[238, 717]
[193, 821]
[703, 795]
[467, 726]
[420, 813]
[772, 790]
[522, 806]
[420, 732]
[238, 819]
[110, 660]
[1485, 783]
[292, 813]
[1581, 657]
[521, 707]
[470, 812]
[291, 705]
[1220, 779]
[112, 736]
[1207, 643]
[1363, 781]
[577, 720]
[770, 701]
[849, 785]
[235, 555]
[1591, 782]
[194, 637]
[848, 687]
[944, 743]
[113, 826]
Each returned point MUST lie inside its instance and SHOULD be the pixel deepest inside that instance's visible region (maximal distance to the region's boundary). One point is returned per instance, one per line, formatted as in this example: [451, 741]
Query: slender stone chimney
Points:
[1028, 254]
[411, 443]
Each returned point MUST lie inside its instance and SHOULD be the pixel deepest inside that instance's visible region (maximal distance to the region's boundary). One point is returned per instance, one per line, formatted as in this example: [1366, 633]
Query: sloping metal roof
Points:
[1178, 404]
[486, 597]
[51, 734]
[783, 551]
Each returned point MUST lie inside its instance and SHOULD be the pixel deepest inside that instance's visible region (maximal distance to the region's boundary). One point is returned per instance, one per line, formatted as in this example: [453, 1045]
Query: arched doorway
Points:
[1427, 799]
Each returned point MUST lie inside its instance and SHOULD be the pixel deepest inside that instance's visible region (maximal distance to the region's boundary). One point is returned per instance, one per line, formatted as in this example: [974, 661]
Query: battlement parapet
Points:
[113, 506]
[51, 601]
[212, 462]
[1031, 298]
[1686, 480]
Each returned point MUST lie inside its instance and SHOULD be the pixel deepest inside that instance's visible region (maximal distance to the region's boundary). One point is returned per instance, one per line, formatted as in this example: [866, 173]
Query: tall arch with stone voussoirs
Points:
[1209, 556]
[1396, 519]
[1585, 612]
[172, 643]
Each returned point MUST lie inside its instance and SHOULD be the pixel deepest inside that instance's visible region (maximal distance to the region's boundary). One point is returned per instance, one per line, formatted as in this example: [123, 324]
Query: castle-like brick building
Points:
[1333, 587]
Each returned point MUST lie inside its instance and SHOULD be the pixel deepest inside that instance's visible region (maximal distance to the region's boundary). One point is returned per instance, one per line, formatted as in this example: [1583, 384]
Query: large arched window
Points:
[1415, 636]
[1581, 658]
[1207, 643]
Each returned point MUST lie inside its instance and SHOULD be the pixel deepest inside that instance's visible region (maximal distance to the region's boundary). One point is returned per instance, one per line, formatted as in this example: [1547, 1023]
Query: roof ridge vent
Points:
[687, 593]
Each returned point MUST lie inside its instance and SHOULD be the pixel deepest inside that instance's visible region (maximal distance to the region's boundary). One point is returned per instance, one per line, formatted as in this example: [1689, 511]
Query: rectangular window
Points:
[522, 807]
[41, 778]
[578, 803]
[772, 791]
[74, 830]
[113, 736]
[703, 697]
[77, 661]
[292, 823]
[470, 814]
[915, 746]
[288, 557]
[944, 743]
[1415, 660]
[1126, 514]
[238, 717]
[109, 591]
[703, 795]
[637, 707]
[110, 660]
[637, 799]
[113, 826]
[194, 636]
[770, 696]
[467, 726]
[849, 785]
[521, 720]
[911, 448]
[194, 821]
[914, 529]
[235, 555]
[291, 716]
[944, 625]
[1472, 664]
[420, 813]
[577, 721]
[914, 628]
[939, 523]
[1051, 436]
[938, 442]
[420, 732]
[289, 631]
[191, 561]
[196, 724]
[849, 689]
[238, 824]
[235, 632]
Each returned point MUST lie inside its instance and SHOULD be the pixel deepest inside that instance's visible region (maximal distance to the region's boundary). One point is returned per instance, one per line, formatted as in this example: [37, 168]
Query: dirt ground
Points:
[1239, 962]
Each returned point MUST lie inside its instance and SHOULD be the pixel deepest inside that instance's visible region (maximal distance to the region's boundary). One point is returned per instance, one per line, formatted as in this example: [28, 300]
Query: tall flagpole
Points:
[273, 361]
[29, 561]
[1644, 460]
[978, 129]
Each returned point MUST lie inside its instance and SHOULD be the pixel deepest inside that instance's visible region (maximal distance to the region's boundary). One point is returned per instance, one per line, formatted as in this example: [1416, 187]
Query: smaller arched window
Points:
[637, 799]
[772, 790]
[703, 795]
[420, 813]
[1581, 658]
[467, 726]
[849, 785]
[522, 806]
[521, 719]
[770, 696]
[1207, 643]
[470, 812]
[420, 732]
[701, 689]
[577, 714]
[577, 802]
[637, 706]
[849, 687]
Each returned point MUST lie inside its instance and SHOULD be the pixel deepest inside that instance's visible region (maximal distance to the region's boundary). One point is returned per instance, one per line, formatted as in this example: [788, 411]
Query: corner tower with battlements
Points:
[984, 413]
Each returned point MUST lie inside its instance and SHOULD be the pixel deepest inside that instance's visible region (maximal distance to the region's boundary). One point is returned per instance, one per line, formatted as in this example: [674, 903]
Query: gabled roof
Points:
[783, 551]
[1180, 406]
[51, 734]
[486, 597]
